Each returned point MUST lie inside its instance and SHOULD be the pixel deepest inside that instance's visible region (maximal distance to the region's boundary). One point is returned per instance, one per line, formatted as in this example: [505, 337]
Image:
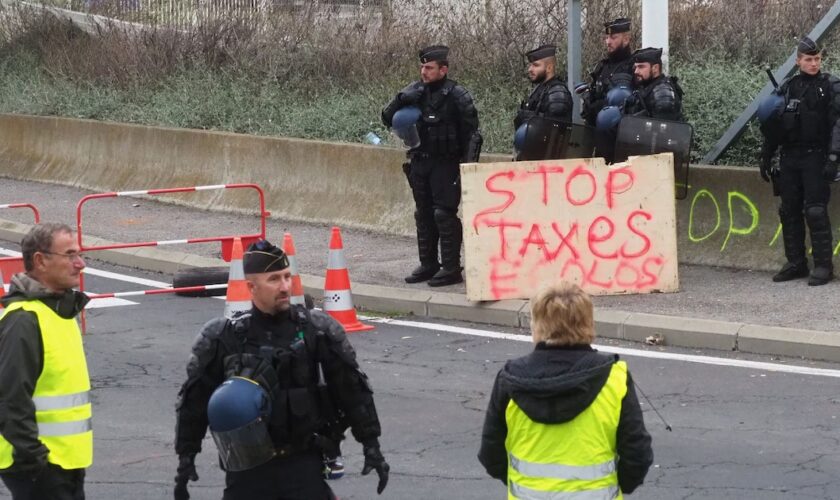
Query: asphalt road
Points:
[741, 296]
[738, 433]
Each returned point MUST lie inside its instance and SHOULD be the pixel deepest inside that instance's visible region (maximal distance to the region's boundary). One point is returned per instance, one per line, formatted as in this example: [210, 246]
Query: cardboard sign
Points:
[610, 229]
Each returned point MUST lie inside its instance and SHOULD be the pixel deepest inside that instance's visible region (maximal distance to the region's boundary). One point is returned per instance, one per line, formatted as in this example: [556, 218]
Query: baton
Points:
[772, 78]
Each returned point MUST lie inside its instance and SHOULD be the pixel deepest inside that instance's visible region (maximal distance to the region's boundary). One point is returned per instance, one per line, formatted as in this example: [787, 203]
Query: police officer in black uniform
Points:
[656, 95]
[304, 363]
[613, 71]
[449, 135]
[550, 97]
[808, 133]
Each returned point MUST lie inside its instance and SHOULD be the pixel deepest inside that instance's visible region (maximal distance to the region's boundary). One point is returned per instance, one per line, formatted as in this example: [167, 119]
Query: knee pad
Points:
[816, 214]
[442, 214]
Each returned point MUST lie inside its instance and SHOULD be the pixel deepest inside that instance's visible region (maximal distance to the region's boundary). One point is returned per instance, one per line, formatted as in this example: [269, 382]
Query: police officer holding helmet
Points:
[436, 119]
[277, 386]
[805, 127]
[616, 70]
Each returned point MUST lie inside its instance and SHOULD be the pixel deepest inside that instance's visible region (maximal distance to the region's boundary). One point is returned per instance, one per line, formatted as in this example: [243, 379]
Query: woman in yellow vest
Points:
[564, 421]
[46, 441]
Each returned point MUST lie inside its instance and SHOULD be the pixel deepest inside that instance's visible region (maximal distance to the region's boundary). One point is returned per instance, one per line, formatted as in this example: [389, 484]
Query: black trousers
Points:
[298, 477]
[804, 193]
[436, 186]
[53, 483]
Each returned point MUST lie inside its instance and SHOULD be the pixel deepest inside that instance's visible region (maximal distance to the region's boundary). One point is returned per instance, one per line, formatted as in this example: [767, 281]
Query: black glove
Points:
[375, 460]
[186, 473]
[765, 167]
[412, 93]
[830, 168]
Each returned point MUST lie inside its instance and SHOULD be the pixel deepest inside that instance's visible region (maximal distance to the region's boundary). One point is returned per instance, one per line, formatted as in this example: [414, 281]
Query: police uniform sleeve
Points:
[666, 103]
[204, 373]
[348, 385]
[389, 111]
[633, 442]
[559, 102]
[21, 361]
[492, 454]
[468, 132]
[834, 115]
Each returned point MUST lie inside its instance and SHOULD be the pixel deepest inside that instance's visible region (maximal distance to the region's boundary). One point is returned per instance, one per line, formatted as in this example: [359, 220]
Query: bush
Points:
[313, 72]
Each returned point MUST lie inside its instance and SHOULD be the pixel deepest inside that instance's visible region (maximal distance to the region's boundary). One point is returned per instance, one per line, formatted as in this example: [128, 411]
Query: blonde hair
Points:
[562, 315]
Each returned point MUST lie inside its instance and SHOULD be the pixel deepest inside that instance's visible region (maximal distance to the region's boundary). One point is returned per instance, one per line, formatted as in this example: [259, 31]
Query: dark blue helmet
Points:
[236, 403]
[405, 117]
[608, 118]
[519, 137]
[617, 95]
[769, 107]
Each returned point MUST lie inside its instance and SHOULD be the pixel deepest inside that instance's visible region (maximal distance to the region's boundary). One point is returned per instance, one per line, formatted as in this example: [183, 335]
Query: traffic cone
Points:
[238, 298]
[338, 301]
[297, 297]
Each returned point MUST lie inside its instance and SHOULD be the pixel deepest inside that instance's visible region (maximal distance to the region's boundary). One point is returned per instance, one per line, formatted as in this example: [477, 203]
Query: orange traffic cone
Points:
[297, 286]
[338, 301]
[238, 298]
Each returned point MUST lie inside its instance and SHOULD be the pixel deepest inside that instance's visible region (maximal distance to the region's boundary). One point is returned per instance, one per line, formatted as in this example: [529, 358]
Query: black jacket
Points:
[615, 70]
[812, 121]
[21, 361]
[449, 123]
[553, 385]
[227, 347]
[660, 97]
[550, 99]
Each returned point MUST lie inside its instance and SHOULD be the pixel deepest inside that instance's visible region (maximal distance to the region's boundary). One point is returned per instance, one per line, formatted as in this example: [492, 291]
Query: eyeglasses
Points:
[71, 256]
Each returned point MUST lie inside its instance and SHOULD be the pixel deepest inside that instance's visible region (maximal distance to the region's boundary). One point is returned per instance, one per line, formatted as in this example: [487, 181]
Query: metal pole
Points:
[737, 128]
[655, 28]
[574, 69]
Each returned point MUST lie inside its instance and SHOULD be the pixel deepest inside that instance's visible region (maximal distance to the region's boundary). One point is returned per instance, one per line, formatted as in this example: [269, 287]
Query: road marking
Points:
[639, 353]
[691, 358]
[109, 302]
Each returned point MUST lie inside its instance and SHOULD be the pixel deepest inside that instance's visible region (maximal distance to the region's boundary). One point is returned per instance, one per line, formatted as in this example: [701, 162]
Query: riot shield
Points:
[549, 139]
[643, 136]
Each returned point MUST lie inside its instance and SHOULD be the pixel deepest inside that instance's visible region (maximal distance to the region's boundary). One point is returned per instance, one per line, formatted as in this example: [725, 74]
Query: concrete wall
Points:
[729, 218]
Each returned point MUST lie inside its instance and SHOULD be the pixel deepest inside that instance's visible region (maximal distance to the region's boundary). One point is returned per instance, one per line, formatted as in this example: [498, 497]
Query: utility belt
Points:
[423, 155]
[803, 148]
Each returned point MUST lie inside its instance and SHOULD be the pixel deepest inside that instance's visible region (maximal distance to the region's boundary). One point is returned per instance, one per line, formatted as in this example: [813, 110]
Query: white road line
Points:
[690, 358]
[706, 360]
[109, 302]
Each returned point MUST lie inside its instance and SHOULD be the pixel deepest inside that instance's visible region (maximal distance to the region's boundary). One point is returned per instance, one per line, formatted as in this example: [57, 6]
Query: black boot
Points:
[820, 276]
[427, 248]
[422, 273]
[793, 237]
[820, 227]
[791, 271]
[451, 233]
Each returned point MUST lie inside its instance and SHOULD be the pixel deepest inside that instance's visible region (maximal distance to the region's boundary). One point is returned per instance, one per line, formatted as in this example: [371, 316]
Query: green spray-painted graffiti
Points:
[744, 218]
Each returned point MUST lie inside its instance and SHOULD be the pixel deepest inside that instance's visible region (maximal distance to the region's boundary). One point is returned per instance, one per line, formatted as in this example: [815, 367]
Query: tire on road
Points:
[198, 276]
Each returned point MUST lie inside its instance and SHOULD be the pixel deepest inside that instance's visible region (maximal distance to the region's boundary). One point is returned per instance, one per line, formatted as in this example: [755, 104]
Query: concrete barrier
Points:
[729, 218]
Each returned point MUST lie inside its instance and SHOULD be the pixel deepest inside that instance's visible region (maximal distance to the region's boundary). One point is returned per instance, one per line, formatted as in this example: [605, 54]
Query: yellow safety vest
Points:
[62, 392]
[575, 460]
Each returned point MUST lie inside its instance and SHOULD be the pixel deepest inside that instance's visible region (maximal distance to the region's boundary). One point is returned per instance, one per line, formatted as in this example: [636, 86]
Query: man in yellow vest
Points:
[46, 441]
[564, 421]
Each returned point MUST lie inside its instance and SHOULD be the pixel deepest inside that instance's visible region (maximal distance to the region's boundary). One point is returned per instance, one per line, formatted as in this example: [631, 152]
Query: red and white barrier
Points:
[30, 206]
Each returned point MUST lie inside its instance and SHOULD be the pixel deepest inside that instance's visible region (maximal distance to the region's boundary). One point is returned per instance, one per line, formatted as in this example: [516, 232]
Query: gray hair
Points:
[40, 239]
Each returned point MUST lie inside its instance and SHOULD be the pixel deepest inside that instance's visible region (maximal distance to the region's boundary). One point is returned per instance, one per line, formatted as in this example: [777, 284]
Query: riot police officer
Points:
[301, 369]
[806, 129]
[550, 97]
[613, 71]
[656, 95]
[448, 135]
